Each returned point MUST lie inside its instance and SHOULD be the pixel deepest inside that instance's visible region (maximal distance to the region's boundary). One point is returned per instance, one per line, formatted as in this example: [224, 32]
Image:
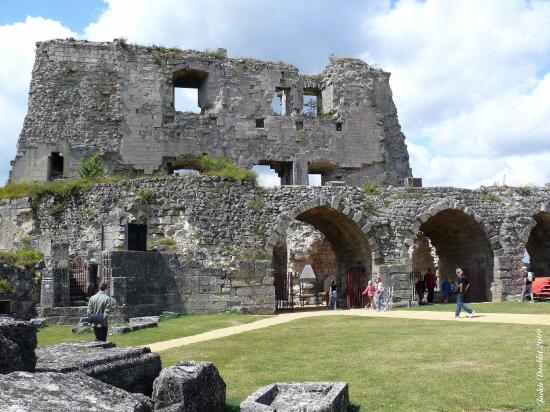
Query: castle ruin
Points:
[201, 243]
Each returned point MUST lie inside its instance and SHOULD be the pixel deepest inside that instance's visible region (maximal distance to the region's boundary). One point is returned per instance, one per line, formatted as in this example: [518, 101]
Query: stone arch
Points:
[537, 243]
[461, 238]
[346, 230]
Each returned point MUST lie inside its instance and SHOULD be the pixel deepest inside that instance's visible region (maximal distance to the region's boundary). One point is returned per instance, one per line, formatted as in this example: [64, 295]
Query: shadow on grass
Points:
[353, 408]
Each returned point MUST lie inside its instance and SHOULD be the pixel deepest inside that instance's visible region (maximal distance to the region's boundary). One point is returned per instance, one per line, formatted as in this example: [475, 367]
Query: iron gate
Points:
[413, 278]
[356, 284]
[476, 291]
[77, 280]
[284, 291]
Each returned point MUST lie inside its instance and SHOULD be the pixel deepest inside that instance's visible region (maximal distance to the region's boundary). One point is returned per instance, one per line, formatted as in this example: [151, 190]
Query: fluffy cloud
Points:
[468, 81]
[17, 43]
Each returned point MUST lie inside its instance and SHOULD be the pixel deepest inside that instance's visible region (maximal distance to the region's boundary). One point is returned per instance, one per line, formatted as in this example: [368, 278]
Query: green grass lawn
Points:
[542, 308]
[167, 329]
[390, 364]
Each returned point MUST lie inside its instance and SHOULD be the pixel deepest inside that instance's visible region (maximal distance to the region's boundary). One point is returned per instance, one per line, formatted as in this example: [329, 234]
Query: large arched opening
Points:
[343, 254]
[451, 239]
[538, 246]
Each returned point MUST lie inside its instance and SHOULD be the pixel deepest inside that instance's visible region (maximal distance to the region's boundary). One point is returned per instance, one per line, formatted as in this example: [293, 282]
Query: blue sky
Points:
[470, 78]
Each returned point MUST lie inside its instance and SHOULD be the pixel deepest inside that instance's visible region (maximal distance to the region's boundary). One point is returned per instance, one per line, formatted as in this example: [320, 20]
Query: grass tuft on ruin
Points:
[225, 167]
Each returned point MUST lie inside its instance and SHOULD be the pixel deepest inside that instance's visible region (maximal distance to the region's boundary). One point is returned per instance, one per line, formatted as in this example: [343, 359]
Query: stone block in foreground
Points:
[17, 345]
[131, 369]
[189, 386]
[37, 392]
[298, 397]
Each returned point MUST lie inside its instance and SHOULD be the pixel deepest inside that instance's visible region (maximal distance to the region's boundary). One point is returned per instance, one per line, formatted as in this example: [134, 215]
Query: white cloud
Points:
[466, 82]
[17, 44]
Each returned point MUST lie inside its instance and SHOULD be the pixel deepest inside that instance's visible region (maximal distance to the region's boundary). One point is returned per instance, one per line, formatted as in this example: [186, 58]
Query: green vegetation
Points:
[492, 307]
[371, 188]
[257, 202]
[163, 53]
[24, 257]
[146, 196]
[369, 207]
[224, 167]
[390, 364]
[56, 209]
[6, 287]
[164, 243]
[167, 329]
[524, 190]
[90, 168]
[491, 197]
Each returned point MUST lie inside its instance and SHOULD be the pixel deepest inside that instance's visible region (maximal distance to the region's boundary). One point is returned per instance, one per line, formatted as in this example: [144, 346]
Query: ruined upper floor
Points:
[119, 101]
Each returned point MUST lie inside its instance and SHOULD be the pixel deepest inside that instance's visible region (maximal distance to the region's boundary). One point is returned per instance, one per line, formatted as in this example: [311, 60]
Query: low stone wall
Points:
[66, 392]
[17, 345]
[19, 302]
[131, 369]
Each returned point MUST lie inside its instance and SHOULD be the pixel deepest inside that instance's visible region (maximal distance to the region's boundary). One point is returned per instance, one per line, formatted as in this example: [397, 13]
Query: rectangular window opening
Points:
[190, 90]
[259, 123]
[55, 166]
[314, 179]
[338, 126]
[5, 307]
[277, 103]
[299, 125]
[311, 103]
[136, 237]
[186, 100]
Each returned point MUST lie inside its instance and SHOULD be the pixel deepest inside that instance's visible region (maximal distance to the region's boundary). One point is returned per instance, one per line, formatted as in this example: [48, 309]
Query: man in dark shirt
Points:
[462, 286]
[430, 285]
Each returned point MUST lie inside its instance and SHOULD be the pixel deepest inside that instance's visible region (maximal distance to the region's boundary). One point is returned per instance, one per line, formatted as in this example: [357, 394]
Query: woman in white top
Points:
[379, 293]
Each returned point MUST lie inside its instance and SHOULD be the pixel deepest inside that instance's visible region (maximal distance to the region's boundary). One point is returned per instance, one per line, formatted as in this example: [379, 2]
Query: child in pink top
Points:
[369, 292]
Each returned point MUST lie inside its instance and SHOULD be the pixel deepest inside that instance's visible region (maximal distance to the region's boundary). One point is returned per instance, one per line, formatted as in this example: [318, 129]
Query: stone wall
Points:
[117, 100]
[21, 291]
[222, 235]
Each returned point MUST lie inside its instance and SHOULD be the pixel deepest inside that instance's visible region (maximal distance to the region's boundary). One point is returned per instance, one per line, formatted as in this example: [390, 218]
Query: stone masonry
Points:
[117, 100]
[225, 239]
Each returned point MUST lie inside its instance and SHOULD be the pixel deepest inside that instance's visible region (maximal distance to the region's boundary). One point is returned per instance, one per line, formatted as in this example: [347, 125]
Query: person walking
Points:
[462, 286]
[379, 293]
[369, 293]
[420, 288]
[430, 285]
[332, 295]
[527, 286]
[99, 307]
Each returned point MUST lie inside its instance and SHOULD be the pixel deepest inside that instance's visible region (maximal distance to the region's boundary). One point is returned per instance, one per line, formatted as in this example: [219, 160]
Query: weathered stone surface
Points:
[298, 397]
[131, 369]
[19, 338]
[25, 291]
[46, 392]
[10, 358]
[353, 134]
[189, 386]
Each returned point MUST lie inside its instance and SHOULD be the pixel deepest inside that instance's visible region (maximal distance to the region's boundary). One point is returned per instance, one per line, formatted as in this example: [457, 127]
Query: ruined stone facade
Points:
[117, 100]
[226, 243]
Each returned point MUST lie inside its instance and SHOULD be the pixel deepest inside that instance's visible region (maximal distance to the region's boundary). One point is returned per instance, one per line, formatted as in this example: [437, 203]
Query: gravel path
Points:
[521, 319]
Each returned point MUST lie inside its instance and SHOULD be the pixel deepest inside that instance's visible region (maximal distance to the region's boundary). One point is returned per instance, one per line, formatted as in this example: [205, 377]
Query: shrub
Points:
[224, 167]
[6, 288]
[371, 188]
[257, 203]
[162, 243]
[90, 168]
[146, 195]
[56, 209]
[59, 188]
[24, 257]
